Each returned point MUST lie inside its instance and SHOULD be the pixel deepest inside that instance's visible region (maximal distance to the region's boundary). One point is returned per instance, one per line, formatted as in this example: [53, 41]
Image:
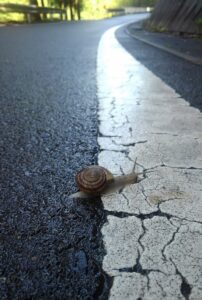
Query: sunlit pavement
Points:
[153, 234]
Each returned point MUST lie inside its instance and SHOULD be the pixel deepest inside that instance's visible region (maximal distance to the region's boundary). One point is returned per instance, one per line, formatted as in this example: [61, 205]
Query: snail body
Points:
[96, 180]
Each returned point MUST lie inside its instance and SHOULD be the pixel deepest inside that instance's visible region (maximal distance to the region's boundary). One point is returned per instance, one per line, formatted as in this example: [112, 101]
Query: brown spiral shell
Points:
[92, 179]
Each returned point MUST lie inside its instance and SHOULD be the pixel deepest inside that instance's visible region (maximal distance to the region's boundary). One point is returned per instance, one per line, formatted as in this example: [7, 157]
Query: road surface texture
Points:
[54, 78]
[150, 118]
[51, 246]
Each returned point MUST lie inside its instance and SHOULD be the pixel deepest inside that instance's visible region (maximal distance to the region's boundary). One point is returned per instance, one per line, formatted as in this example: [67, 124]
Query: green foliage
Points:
[95, 9]
[138, 3]
[199, 22]
[87, 9]
[15, 1]
[7, 17]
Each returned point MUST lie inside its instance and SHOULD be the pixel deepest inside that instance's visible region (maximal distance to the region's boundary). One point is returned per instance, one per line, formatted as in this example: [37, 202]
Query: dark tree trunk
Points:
[78, 9]
[71, 5]
[35, 17]
[44, 15]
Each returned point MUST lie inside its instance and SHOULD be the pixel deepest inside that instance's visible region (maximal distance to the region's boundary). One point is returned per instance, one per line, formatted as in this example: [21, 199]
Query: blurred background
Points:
[74, 9]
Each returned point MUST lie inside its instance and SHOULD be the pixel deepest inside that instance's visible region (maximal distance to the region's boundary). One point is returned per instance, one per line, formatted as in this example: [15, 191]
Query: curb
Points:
[187, 57]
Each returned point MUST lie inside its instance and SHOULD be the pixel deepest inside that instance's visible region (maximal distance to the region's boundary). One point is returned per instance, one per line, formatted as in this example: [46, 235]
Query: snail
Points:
[96, 181]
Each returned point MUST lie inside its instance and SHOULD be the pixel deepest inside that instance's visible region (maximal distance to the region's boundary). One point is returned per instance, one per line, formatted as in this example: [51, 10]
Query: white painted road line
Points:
[153, 237]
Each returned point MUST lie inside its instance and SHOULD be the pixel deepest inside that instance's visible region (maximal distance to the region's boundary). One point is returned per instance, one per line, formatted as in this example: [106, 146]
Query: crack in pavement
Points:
[132, 144]
[137, 268]
[135, 143]
[164, 133]
[124, 196]
[185, 287]
[144, 229]
[112, 150]
[171, 167]
[141, 216]
[169, 242]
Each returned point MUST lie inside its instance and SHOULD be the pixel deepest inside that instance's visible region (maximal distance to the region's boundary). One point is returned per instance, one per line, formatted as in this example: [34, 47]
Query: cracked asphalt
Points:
[51, 246]
[150, 117]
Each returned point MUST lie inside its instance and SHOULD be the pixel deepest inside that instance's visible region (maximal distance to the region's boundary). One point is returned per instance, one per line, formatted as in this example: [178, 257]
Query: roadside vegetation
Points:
[199, 22]
[6, 17]
[76, 9]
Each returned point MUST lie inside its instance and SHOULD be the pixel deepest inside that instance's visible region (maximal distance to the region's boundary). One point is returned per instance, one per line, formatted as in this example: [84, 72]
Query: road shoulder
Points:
[184, 47]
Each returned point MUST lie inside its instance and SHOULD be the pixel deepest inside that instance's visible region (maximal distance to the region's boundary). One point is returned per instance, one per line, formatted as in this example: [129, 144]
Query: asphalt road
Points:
[51, 246]
[183, 76]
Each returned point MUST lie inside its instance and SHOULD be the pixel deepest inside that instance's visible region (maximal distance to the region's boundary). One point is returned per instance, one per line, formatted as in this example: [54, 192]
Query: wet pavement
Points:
[149, 119]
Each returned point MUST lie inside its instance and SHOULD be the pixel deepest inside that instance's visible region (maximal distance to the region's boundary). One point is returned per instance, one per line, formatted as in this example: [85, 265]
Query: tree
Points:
[44, 15]
[35, 17]
[75, 7]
